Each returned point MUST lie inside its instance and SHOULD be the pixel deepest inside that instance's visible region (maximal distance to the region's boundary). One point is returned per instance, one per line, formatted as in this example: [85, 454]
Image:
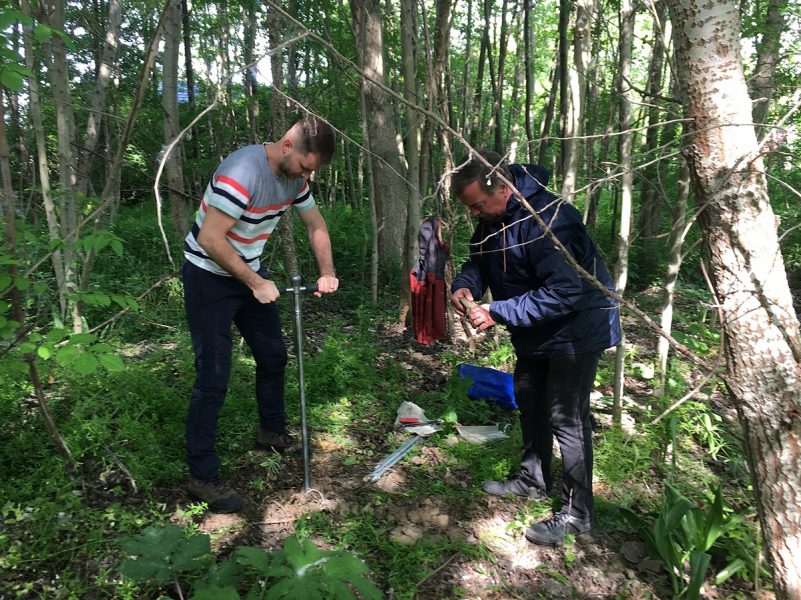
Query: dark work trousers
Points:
[553, 395]
[213, 303]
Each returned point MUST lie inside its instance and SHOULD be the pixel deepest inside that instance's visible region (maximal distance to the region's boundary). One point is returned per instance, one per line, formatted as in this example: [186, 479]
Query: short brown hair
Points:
[473, 169]
[315, 136]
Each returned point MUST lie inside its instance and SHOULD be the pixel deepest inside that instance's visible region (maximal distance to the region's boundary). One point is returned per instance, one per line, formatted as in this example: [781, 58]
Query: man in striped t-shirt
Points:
[224, 283]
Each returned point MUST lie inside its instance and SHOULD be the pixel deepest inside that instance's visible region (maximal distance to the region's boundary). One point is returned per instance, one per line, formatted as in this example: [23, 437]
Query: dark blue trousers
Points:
[553, 395]
[213, 303]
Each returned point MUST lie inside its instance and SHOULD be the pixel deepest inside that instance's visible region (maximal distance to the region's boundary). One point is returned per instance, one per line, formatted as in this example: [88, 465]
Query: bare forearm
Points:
[222, 253]
[321, 247]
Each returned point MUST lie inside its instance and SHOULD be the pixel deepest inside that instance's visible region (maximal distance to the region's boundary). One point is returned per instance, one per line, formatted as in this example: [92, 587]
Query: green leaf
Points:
[66, 355]
[116, 246]
[699, 562]
[22, 283]
[9, 16]
[143, 570]
[5, 280]
[733, 567]
[253, 557]
[55, 335]
[216, 593]
[42, 32]
[279, 590]
[83, 338]
[294, 552]
[367, 588]
[111, 363]
[86, 364]
[44, 352]
[195, 546]
[11, 79]
[337, 590]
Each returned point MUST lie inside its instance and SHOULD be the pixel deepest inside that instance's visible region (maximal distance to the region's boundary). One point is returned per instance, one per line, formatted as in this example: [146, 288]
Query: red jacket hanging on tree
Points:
[427, 283]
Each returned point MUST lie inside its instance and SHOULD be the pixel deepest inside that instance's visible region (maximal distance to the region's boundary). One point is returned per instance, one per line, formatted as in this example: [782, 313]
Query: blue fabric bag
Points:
[490, 384]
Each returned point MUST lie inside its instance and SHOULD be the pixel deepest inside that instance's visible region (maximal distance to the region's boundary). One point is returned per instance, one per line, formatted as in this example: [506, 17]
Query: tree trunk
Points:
[413, 140]
[475, 122]
[547, 115]
[108, 55]
[53, 226]
[497, 109]
[65, 124]
[390, 196]
[763, 344]
[565, 9]
[17, 310]
[675, 244]
[249, 42]
[626, 142]
[285, 229]
[763, 82]
[190, 82]
[528, 43]
[650, 196]
[179, 209]
[576, 88]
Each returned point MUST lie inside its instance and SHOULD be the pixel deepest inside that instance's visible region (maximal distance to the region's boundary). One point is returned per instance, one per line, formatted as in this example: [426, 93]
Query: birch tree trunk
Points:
[53, 226]
[650, 197]
[675, 244]
[179, 209]
[108, 55]
[763, 344]
[763, 81]
[390, 195]
[576, 95]
[626, 141]
[65, 125]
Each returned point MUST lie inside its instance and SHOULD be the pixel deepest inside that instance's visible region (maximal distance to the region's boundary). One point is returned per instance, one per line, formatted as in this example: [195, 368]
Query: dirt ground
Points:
[601, 564]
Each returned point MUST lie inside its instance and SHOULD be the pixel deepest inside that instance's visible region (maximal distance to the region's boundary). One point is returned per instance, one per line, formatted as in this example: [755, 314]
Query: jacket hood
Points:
[529, 179]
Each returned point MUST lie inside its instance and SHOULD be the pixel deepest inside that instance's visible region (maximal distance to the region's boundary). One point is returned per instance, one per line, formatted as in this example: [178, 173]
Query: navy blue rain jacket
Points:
[549, 309]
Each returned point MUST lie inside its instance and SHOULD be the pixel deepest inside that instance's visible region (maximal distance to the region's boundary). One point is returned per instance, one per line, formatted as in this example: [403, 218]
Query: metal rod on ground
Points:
[392, 459]
[295, 290]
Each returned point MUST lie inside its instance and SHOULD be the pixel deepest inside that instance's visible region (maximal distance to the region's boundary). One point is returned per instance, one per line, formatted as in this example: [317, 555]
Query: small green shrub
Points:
[300, 571]
[681, 535]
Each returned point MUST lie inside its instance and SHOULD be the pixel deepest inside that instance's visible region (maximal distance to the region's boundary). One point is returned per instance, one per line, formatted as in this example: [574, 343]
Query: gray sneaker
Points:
[552, 531]
[280, 442]
[514, 486]
[219, 497]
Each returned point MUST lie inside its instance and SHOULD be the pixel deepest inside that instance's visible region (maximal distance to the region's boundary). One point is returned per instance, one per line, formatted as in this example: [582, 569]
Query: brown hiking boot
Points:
[218, 496]
[280, 442]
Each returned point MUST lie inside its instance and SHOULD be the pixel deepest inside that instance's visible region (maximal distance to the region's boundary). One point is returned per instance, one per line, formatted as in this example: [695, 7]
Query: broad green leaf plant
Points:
[300, 571]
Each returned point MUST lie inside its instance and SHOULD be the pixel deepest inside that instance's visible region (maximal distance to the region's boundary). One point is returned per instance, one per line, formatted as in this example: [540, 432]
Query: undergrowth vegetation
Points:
[680, 483]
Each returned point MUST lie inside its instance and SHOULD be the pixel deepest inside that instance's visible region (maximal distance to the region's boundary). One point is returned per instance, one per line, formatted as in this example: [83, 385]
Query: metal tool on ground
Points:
[392, 459]
[407, 422]
[295, 290]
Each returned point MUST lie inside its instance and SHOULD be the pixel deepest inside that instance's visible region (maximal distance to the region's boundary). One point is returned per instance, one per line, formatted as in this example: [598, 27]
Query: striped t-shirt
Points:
[244, 187]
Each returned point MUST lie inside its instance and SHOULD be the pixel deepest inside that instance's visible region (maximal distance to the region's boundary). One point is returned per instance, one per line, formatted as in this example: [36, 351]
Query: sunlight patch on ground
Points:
[493, 533]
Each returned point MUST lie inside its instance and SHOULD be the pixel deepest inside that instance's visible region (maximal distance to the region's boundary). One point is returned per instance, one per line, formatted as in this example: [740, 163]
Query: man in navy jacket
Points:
[560, 323]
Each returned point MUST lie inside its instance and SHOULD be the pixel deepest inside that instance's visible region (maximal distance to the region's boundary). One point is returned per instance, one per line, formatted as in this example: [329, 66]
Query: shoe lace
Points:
[556, 520]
